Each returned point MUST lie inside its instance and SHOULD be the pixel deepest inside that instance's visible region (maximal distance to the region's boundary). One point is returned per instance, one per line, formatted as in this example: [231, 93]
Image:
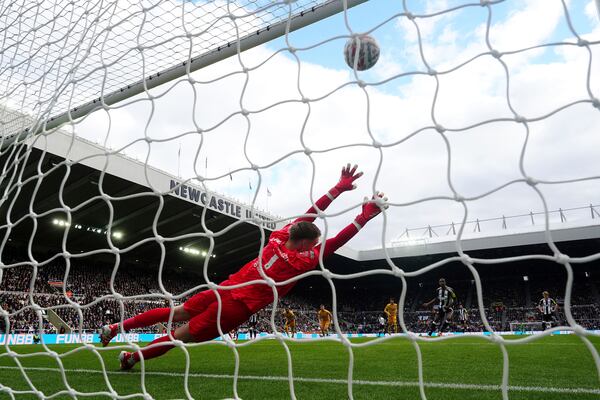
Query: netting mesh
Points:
[58, 55]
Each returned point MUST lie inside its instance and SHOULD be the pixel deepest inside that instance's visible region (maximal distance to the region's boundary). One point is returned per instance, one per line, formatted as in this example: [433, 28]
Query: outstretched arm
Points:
[346, 182]
[370, 210]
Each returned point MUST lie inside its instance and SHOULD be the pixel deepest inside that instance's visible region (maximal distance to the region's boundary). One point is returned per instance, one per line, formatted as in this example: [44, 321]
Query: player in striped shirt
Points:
[463, 317]
[290, 251]
[252, 326]
[444, 299]
[547, 306]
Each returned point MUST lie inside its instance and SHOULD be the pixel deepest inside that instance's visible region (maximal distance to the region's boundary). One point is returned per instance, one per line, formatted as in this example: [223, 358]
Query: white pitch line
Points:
[462, 386]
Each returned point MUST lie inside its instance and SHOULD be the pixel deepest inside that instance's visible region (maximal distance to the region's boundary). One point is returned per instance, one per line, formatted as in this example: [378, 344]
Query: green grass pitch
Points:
[558, 367]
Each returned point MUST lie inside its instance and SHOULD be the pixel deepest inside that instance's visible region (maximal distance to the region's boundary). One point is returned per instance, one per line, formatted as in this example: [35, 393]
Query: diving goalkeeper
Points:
[291, 251]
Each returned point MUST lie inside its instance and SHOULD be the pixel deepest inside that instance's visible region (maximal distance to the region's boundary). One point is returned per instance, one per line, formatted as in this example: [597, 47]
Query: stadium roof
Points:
[535, 235]
[136, 191]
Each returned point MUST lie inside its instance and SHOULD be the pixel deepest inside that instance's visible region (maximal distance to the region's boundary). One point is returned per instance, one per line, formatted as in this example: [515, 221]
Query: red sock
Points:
[151, 351]
[148, 318]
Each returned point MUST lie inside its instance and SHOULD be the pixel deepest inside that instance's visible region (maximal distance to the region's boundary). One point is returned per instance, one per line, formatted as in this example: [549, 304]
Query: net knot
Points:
[431, 71]
[254, 166]
[307, 151]
[376, 144]
[520, 119]
[466, 259]
[361, 83]
[458, 198]
[484, 3]
[305, 100]
[270, 282]
[212, 285]
[245, 112]
[409, 15]
[440, 128]
[582, 42]
[596, 103]
[562, 258]
[531, 181]
[496, 54]
[327, 274]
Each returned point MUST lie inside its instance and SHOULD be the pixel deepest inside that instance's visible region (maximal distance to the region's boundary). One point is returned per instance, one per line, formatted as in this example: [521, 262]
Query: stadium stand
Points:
[507, 298]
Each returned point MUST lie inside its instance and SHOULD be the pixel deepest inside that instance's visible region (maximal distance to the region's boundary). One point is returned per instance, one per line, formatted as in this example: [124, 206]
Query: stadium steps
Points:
[57, 321]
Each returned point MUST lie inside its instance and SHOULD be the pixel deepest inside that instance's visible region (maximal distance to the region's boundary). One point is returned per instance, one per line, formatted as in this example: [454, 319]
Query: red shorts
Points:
[203, 308]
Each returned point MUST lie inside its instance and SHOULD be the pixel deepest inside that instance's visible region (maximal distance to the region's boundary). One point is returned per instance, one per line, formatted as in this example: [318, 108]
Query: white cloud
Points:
[592, 11]
[414, 168]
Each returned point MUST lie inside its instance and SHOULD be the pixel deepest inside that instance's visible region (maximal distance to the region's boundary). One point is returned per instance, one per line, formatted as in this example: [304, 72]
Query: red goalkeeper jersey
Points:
[279, 263]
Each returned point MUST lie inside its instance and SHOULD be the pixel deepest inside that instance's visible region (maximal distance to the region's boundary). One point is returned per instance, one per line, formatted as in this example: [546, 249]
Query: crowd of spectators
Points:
[88, 291]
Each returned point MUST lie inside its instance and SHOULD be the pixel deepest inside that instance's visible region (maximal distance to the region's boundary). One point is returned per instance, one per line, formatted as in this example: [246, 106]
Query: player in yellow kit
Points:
[290, 322]
[391, 311]
[324, 320]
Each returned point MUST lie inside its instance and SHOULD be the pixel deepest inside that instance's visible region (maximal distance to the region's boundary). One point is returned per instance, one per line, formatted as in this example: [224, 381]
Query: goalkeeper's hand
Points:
[346, 182]
[372, 208]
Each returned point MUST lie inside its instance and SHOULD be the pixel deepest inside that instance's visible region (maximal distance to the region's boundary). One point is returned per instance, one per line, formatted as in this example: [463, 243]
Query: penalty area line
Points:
[438, 385]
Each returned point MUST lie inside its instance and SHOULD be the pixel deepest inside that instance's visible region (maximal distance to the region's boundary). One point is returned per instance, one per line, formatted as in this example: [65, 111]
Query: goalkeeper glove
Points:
[346, 182]
[370, 209]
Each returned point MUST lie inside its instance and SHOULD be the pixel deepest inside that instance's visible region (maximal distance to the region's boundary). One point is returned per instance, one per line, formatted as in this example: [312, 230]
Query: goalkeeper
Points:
[291, 251]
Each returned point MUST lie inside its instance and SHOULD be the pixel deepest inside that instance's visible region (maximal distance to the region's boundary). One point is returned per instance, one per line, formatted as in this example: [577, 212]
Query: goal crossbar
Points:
[261, 36]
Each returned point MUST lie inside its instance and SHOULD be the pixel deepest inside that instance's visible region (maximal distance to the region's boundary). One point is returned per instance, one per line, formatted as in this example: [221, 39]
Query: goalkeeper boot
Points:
[107, 332]
[127, 361]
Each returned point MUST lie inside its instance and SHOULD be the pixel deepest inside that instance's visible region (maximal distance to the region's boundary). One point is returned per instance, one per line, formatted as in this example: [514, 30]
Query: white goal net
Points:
[243, 111]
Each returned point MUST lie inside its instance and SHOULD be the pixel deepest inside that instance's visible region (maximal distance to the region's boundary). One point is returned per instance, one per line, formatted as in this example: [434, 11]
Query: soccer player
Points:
[463, 317]
[290, 251]
[290, 322]
[445, 298]
[391, 312]
[547, 306]
[252, 326]
[324, 317]
[382, 325]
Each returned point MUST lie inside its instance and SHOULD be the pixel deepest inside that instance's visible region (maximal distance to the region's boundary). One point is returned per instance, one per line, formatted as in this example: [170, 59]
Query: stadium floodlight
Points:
[525, 278]
[117, 234]
[190, 250]
[60, 222]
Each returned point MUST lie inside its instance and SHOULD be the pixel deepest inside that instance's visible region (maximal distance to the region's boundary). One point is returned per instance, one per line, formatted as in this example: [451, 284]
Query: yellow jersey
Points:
[324, 315]
[391, 310]
[289, 316]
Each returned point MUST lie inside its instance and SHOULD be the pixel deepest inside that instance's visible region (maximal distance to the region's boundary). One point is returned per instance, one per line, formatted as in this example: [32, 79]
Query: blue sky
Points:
[483, 158]
[372, 13]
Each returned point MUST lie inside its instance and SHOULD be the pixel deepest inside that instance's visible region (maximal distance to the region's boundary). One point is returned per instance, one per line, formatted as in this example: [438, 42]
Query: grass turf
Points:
[556, 367]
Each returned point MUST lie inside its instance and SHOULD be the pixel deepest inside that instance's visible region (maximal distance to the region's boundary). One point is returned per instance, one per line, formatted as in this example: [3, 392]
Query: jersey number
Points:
[271, 262]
